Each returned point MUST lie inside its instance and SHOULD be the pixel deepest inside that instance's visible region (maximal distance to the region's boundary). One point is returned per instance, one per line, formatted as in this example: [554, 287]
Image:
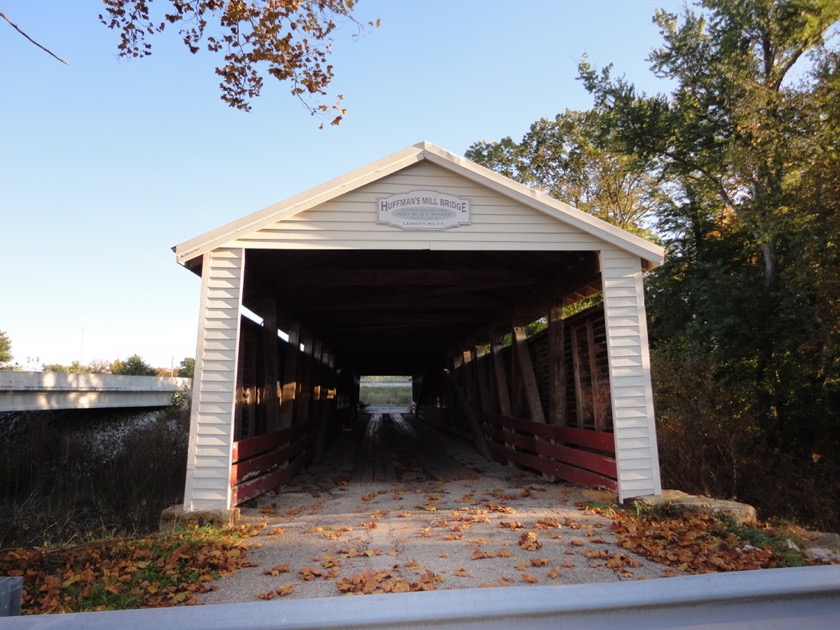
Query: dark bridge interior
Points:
[397, 312]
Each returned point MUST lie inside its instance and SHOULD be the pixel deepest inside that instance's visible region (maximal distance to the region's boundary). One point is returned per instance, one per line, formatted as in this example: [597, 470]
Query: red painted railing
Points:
[264, 462]
[581, 456]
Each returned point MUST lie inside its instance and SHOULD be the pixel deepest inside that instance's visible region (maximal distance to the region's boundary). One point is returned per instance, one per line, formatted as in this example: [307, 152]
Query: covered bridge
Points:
[427, 265]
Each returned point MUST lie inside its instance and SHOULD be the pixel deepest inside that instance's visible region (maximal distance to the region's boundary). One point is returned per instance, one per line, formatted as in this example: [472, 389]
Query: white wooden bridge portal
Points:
[423, 264]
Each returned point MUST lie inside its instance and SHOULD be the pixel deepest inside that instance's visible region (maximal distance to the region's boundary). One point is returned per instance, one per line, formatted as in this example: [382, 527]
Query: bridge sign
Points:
[423, 210]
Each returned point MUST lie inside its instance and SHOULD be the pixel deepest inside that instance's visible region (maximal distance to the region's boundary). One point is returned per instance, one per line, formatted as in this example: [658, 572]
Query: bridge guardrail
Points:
[806, 597]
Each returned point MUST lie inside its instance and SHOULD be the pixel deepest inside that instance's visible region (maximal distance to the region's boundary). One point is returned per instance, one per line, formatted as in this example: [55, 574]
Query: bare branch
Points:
[47, 50]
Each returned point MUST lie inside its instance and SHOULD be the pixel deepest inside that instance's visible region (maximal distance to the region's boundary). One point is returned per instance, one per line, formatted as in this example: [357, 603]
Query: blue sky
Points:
[106, 164]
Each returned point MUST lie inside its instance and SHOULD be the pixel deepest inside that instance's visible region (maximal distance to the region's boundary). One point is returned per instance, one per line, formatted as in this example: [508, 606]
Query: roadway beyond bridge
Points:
[43, 391]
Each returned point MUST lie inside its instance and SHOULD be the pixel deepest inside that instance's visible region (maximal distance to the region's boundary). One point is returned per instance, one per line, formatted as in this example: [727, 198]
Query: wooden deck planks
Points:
[387, 435]
[373, 458]
[424, 443]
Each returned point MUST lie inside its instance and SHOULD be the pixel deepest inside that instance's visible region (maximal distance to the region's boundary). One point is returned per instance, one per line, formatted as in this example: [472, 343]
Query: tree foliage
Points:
[186, 369]
[5, 349]
[745, 311]
[74, 368]
[289, 39]
[570, 159]
[728, 125]
[133, 365]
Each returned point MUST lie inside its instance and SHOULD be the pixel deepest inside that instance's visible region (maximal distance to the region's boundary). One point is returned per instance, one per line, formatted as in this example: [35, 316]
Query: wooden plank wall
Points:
[555, 419]
[307, 401]
[577, 455]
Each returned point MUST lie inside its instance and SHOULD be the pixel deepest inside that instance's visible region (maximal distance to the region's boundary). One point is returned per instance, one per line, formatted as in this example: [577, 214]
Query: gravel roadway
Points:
[485, 524]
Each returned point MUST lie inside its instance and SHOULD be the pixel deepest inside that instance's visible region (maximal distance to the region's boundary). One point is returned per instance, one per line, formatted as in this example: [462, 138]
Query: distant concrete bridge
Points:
[33, 391]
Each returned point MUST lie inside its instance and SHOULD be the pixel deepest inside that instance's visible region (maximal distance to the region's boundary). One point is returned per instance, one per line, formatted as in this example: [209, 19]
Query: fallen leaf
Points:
[275, 531]
[548, 523]
[510, 525]
[529, 542]
[310, 573]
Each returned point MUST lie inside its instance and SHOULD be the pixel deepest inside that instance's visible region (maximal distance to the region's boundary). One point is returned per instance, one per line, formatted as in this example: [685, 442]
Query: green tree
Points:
[55, 367]
[186, 369]
[99, 366]
[5, 349]
[732, 131]
[289, 39]
[745, 311]
[570, 158]
[133, 365]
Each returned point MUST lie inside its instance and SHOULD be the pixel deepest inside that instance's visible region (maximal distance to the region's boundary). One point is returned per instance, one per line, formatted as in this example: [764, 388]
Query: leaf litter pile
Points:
[466, 536]
[152, 572]
[695, 542]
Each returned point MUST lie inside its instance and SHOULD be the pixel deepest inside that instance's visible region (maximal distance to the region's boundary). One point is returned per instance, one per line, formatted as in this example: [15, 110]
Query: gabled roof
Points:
[196, 247]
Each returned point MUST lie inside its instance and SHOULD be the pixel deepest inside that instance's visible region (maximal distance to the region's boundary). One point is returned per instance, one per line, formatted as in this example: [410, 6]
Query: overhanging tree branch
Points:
[17, 28]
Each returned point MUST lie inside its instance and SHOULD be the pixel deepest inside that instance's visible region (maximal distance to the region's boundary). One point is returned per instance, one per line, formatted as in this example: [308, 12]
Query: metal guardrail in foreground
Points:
[799, 598]
[10, 594]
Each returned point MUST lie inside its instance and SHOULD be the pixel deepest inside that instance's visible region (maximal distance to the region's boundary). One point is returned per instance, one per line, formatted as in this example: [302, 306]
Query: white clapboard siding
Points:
[632, 399]
[349, 221]
[341, 214]
[211, 423]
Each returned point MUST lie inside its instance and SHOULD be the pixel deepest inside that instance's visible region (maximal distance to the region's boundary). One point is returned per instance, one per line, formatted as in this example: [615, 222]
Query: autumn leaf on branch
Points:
[288, 40]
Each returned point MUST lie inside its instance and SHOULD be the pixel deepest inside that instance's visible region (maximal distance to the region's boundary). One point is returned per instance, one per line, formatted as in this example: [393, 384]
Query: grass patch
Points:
[386, 396]
[766, 537]
[151, 572]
